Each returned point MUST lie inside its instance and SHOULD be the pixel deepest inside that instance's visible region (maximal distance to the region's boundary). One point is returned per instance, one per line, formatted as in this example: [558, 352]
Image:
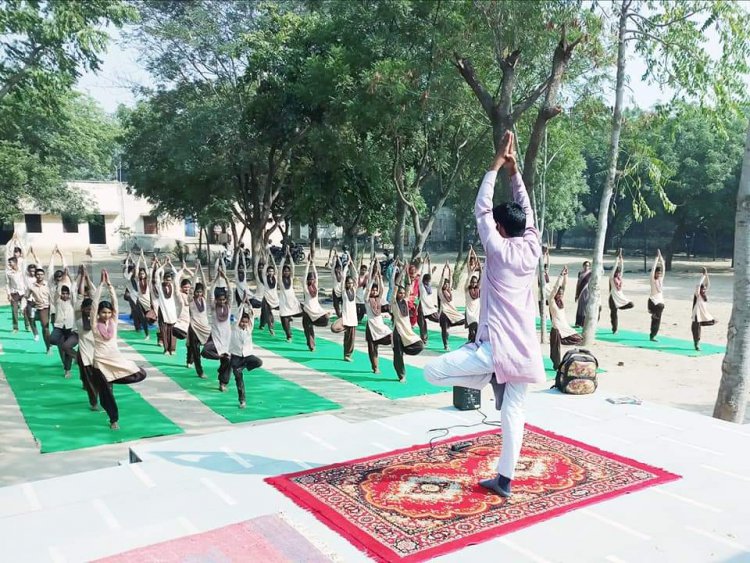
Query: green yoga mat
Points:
[328, 358]
[665, 344]
[56, 409]
[267, 395]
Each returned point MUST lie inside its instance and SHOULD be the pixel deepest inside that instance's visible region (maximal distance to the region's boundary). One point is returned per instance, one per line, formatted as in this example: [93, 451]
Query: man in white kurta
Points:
[506, 352]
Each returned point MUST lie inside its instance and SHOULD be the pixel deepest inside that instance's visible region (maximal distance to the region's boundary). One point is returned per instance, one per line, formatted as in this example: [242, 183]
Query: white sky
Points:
[120, 72]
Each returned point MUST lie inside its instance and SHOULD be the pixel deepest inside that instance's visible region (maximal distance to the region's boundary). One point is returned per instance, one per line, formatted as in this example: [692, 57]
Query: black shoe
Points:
[499, 485]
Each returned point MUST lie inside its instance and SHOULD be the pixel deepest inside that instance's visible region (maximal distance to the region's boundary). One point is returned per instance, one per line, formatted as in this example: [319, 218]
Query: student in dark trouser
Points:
[165, 293]
[64, 333]
[109, 364]
[377, 333]
[313, 314]
[39, 294]
[656, 299]
[544, 300]
[217, 346]
[199, 330]
[86, 345]
[348, 321]
[472, 293]
[270, 296]
[449, 315]
[405, 340]
[131, 295]
[427, 309]
[337, 279]
[289, 305]
[582, 293]
[701, 316]
[617, 299]
[561, 332]
[362, 280]
[241, 351]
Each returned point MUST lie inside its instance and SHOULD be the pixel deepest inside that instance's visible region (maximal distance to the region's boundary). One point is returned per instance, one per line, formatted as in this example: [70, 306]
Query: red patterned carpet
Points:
[417, 503]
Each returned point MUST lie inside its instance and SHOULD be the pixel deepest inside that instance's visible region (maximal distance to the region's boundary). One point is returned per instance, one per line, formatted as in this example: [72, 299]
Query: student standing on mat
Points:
[617, 299]
[217, 347]
[449, 315]
[143, 288]
[241, 351]
[411, 285]
[656, 298]
[39, 294]
[337, 279]
[199, 330]
[15, 288]
[312, 313]
[377, 333]
[289, 305]
[544, 299]
[64, 332]
[472, 292]
[182, 299]
[164, 291]
[561, 331]
[405, 340]
[362, 280]
[428, 303]
[348, 321]
[130, 272]
[701, 316]
[582, 293]
[506, 353]
[270, 295]
[86, 344]
[109, 364]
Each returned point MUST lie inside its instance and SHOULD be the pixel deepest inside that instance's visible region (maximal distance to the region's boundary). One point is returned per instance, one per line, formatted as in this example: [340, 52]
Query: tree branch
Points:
[466, 70]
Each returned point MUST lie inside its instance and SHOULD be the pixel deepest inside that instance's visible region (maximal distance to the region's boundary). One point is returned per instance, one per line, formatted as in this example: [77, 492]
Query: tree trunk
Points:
[200, 243]
[676, 243]
[459, 256]
[398, 233]
[560, 235]
[735, 369]
[372, 248]
[313, 227]
[592, 310]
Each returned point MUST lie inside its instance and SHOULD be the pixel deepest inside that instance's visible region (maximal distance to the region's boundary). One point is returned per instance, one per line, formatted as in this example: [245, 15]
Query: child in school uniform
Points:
[241, 351]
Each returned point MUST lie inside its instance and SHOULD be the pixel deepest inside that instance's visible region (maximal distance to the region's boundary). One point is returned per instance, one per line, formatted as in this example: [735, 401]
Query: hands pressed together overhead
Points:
[506, 155]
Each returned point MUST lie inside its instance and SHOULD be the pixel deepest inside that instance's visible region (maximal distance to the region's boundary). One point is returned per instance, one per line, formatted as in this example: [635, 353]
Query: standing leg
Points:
[360, 311]
[286, 324]
[473, 332]
[29, 314]
[145, 320]
[106, 397]
[225, 369]
[398, 356]
[15, 301]
[307, 325]
[422, 322]
[87, 378]
[68, 352]
[613, 314]
[656, 312]
[512, 418]
[696, 330]
[349, 342]
[372, 350]
[44, 319]
[194, 352]
[555, 347]
[444, 324]
[237, 368]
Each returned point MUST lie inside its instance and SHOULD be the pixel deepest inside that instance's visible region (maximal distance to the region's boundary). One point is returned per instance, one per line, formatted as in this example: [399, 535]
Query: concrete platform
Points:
[197, 483]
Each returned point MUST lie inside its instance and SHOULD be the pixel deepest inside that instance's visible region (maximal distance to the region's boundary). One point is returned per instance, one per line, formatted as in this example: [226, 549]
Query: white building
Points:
[122, 220]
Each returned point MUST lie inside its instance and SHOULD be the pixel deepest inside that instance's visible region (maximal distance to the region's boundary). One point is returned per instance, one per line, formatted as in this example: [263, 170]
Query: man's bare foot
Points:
[114, 426]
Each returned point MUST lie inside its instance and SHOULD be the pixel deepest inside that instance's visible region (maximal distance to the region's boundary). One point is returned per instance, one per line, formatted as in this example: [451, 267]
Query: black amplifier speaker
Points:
[465, 399]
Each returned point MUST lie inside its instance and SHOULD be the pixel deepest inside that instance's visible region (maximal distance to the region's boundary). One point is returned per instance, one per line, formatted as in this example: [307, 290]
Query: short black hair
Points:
[87, 302]
[511, 216]
[183, 283]
[17, 249]
[65, 289]
[37, 270]
[198, 287]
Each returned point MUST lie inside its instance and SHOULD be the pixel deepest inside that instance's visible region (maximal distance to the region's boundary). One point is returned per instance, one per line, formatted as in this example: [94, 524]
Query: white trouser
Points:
[472, 366]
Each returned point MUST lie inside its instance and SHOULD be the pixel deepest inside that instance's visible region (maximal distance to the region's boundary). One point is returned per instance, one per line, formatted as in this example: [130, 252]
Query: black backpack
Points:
[576, 374]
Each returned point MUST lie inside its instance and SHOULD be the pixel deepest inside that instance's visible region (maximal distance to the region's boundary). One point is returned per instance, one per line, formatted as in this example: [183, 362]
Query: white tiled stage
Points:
[193, 484]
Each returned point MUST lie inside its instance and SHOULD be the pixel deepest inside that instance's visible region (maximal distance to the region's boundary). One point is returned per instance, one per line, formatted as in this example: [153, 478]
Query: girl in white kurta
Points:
[405, 340]
[199, 330]
[449, 315]
[143, 289]
[561, 331]
[362, 280]
[110, 366]
[428, 302]
[182, 300]
[348, 321]
[656, 297]
[270, 295]
[701, 316]
[130, 272]
[313, 314]
[377, 333]
[289, 305]
[217, 347]
[337, 280]
[472, 295]
[164, 291]
[617, 299]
